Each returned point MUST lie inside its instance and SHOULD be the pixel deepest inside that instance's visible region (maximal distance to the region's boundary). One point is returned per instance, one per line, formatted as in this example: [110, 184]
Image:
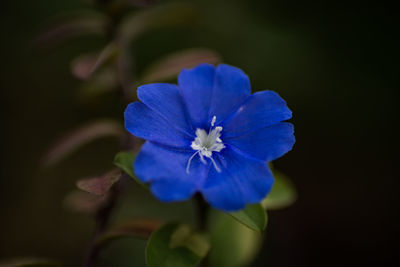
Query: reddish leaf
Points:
[84, 202]
[84, 66]
[99, 185]
[80, 137]
[72, 25]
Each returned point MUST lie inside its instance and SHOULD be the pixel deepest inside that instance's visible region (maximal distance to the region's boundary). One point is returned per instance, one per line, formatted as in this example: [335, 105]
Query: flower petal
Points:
[166, 100]
[145, 123]
[262, 109]
[231, 89]
[196, 86]
[241, 181]
[165, 169]
[266, 144]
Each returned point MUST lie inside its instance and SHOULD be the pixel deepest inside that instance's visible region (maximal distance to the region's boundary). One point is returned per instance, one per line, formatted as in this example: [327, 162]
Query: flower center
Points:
[207, 143]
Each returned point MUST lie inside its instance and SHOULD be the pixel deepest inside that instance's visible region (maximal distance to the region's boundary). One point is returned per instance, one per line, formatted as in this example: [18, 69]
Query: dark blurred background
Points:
[336, 64]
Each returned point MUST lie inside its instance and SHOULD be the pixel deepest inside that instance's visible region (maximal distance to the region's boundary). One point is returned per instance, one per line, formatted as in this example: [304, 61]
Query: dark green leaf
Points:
[170, 66]
[80, 137]
[253, 216]
[99, 185]
[232, 243]
[175, 245]
[283, 193]
[124, 160]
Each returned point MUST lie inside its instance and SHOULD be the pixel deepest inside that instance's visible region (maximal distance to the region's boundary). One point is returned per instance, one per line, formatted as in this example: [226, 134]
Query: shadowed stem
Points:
[202, 210]
[104, 214]
[102, 217]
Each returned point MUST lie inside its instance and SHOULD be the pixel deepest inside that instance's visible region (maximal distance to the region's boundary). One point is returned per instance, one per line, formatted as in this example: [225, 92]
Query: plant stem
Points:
[202, 212]
[103, 216]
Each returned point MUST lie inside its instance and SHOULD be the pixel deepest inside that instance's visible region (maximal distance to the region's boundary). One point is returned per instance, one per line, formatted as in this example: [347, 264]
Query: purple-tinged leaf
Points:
[84, 66]
[84, 202]
[99, 185]
[81, 136]
[170, 66]
[72, 25]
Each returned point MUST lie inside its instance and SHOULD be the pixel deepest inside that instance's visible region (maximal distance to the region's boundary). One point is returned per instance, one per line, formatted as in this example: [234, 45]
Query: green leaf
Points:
[81, 136]
[99, 185]
[170, 66]
[175, 245]
[282, 195]
[124, 160]
[232, 243]
[253, 216]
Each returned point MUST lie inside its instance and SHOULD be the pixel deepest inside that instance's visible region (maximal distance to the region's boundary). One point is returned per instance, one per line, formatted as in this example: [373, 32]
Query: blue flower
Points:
[209, 134]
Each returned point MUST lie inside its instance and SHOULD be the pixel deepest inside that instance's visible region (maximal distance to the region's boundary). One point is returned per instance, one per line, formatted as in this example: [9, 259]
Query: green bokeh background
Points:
[335, 64]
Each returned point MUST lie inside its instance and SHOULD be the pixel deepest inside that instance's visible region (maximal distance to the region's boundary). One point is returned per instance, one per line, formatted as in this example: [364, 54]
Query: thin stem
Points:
[202, 212]
[103, 217]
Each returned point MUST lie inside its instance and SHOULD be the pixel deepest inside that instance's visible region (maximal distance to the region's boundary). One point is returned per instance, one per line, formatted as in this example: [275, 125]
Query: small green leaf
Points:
[99, 185]
[253, 216]
[124, 160]
[232, 243]
[170, 66]
[175, 245]
[282, 195]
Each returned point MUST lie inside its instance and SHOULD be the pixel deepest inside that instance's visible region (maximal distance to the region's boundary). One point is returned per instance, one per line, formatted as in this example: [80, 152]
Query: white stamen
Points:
[190, 160]
[214, 119]
[206, 144]
[215, 165]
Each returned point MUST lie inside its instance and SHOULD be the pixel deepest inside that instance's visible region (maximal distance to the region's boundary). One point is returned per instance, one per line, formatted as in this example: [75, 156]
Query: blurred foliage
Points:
[232, 243]
[341, 64]
[253, 216]
[176, 245]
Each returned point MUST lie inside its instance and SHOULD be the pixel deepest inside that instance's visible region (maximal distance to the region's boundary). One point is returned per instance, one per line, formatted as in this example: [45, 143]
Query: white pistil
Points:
[207, 143]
